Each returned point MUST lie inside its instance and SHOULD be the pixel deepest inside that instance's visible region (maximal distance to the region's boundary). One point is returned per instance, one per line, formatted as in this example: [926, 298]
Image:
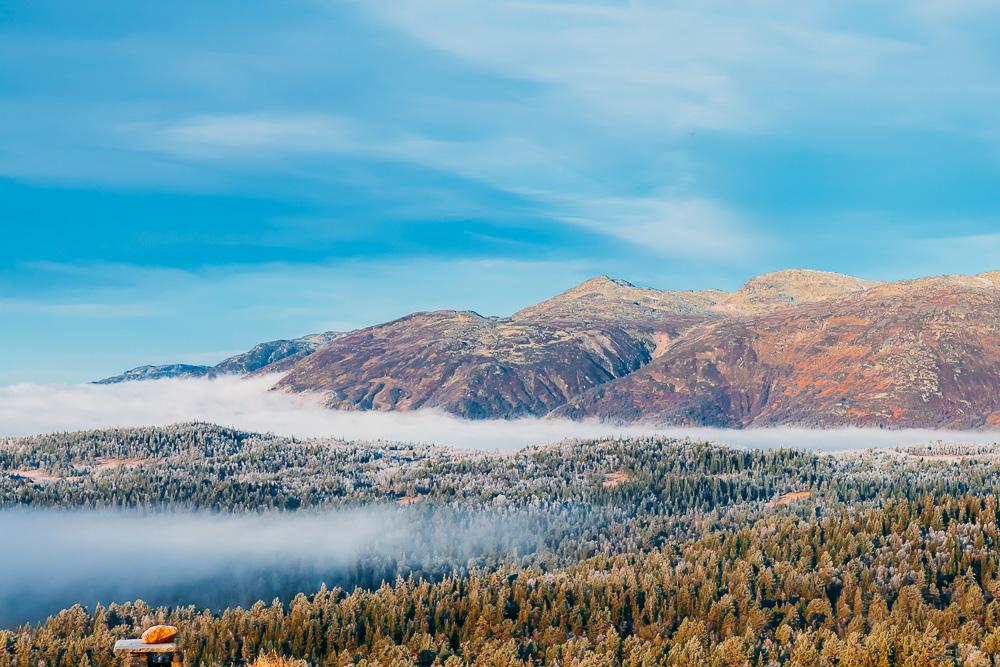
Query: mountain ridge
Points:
[795, 346]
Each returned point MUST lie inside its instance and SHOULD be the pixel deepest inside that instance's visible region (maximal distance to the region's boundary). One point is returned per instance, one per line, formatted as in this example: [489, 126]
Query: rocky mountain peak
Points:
[599, 283]
[779, 289]
[603, 297]
[991, 277]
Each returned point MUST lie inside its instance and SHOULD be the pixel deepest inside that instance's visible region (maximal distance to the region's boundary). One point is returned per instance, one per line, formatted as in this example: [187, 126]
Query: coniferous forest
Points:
[642, 551]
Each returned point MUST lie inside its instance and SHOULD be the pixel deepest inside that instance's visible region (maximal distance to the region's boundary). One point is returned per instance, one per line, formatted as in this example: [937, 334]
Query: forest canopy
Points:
[643, 551]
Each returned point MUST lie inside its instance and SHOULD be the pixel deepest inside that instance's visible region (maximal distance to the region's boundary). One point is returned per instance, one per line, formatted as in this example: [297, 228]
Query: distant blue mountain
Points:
[258, 358]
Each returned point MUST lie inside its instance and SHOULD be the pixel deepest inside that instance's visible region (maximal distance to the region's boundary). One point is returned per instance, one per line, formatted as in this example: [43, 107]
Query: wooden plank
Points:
[139, 646]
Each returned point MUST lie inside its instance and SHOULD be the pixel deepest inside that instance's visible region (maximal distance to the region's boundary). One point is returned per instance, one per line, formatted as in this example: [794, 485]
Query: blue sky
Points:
[181, 180]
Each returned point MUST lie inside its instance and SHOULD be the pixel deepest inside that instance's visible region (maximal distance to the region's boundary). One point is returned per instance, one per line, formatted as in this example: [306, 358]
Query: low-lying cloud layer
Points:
[64, 557]
[248, 404]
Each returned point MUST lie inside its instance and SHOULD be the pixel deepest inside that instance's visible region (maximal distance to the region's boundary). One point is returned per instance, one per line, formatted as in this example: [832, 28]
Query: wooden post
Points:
[141, 654]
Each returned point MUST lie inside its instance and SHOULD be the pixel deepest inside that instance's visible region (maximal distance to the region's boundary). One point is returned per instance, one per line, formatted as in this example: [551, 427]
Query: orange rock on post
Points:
[159, 634]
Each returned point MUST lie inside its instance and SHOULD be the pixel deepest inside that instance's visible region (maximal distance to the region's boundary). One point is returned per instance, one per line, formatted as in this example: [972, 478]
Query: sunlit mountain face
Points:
[803, 348]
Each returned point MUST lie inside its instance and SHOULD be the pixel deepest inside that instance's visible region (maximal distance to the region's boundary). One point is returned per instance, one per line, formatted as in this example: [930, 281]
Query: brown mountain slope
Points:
[467, 364]
[917, 353]
[802, 347]
[492, 367]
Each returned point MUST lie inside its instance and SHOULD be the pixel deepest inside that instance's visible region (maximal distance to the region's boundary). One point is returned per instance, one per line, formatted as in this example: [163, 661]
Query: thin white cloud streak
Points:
[673, 225]
[518, 163]
[759, 68]
[673, 68]
[243, 134]
[248, 404]
[85, 309]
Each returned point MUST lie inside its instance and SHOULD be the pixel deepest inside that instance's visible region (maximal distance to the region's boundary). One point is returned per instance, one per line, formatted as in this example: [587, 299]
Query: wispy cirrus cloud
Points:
[237, 136]
[671, 67]
[676, 226]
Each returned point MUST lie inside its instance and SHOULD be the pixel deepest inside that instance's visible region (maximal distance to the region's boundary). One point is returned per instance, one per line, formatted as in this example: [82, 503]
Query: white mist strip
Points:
[248, 404]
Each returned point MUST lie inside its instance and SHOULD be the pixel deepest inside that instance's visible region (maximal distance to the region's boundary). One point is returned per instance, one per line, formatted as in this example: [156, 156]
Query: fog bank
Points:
[54, 559]
[248, 404]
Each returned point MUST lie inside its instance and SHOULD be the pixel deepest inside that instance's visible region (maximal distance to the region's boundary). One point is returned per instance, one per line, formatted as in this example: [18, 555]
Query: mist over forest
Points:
[457, 552]
[217, 560]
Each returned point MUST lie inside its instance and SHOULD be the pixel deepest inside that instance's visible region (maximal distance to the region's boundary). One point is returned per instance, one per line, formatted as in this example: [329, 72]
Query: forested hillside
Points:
[910, 583]
[638, 552]
[202, 466]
